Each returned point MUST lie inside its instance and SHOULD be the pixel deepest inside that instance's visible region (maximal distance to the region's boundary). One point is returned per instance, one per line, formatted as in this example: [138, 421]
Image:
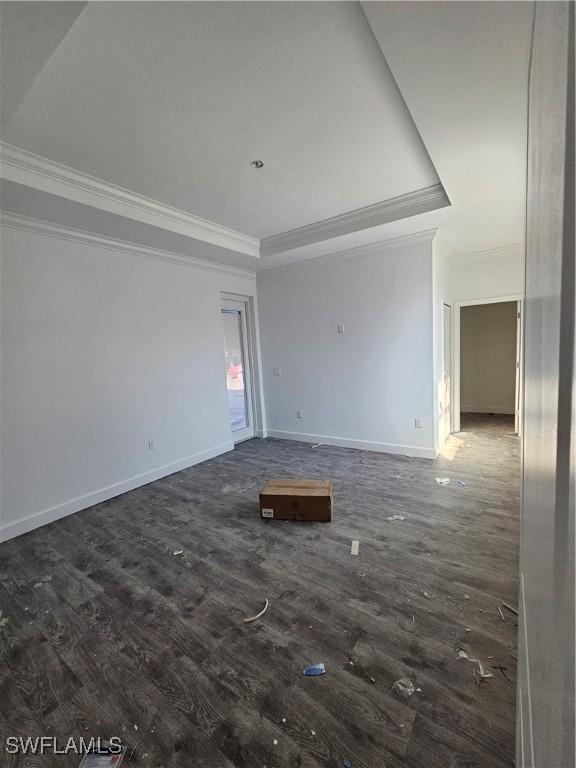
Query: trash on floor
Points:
[404, 687]
[427, 595]
[297, 500]
[510, 608]
[395, 517]
[355, 547]
[102, 758]
[178, 552]
[257, 616]
[43, 580]
[315, 669]
[443, 480]
[482, 671]
[316, 445]
[3, 621]
[501, 614]
[346, 763]
[460, 482]
[483, 674]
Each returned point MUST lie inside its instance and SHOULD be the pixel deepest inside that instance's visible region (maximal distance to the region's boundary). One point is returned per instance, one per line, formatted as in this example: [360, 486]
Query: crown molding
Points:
[359, 251]
[23, 167]
[401, 207]
[504, 250]
[48, 229]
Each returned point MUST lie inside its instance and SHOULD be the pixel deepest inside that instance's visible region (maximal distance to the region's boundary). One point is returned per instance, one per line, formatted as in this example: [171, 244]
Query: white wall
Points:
[488, 358]
[487, 275]
[363, 388]
[103, 351]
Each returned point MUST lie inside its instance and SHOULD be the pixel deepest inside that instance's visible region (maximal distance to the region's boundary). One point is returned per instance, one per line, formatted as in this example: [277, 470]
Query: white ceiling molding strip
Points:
[503, 250]
[358, 251]
[48, 229]
[402, 207]
[31, 170]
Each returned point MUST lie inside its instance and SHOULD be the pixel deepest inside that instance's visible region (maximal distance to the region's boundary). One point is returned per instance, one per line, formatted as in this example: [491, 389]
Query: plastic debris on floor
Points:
[103, 758]
[314, 670]
[260, 613]
[482, 673]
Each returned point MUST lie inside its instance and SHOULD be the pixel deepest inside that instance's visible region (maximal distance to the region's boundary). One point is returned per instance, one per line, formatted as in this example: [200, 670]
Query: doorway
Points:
[488, 360]
[235, 324]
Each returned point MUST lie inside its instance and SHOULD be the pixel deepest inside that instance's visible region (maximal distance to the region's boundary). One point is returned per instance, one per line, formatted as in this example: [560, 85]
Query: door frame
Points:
[244, 305]
[456, 307]
[450, 305]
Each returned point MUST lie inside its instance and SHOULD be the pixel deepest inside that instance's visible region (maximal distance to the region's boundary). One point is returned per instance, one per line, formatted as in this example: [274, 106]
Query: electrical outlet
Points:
[299, 413]
[341, 329]
[418, 423]
[276, 371]
[150, 445]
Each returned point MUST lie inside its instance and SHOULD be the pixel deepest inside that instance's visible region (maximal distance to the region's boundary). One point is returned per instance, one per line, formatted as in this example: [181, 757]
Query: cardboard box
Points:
[301, 500]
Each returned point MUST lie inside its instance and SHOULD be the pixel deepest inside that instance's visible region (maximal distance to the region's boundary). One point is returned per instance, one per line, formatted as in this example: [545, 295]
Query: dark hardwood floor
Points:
[106, 632]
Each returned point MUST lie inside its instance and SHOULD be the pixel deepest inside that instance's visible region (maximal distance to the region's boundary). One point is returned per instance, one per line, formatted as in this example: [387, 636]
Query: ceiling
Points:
[140, 120]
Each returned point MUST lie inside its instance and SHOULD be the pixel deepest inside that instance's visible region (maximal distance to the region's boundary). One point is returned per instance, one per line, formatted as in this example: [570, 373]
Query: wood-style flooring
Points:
[104, 631]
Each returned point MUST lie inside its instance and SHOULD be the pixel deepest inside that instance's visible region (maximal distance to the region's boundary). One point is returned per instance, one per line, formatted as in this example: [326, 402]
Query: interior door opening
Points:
[490, 363]
[237, 367]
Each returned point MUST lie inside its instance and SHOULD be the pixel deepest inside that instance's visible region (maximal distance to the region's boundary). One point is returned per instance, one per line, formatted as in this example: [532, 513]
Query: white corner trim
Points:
[45, 516]
[358, 251]
[31, 170]
[362, 445]
[401, 207]
[48, 229]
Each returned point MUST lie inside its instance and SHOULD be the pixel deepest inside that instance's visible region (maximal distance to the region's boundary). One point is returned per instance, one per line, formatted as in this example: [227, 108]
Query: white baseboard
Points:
[363, 445]
[486, 409]
[45, 516]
